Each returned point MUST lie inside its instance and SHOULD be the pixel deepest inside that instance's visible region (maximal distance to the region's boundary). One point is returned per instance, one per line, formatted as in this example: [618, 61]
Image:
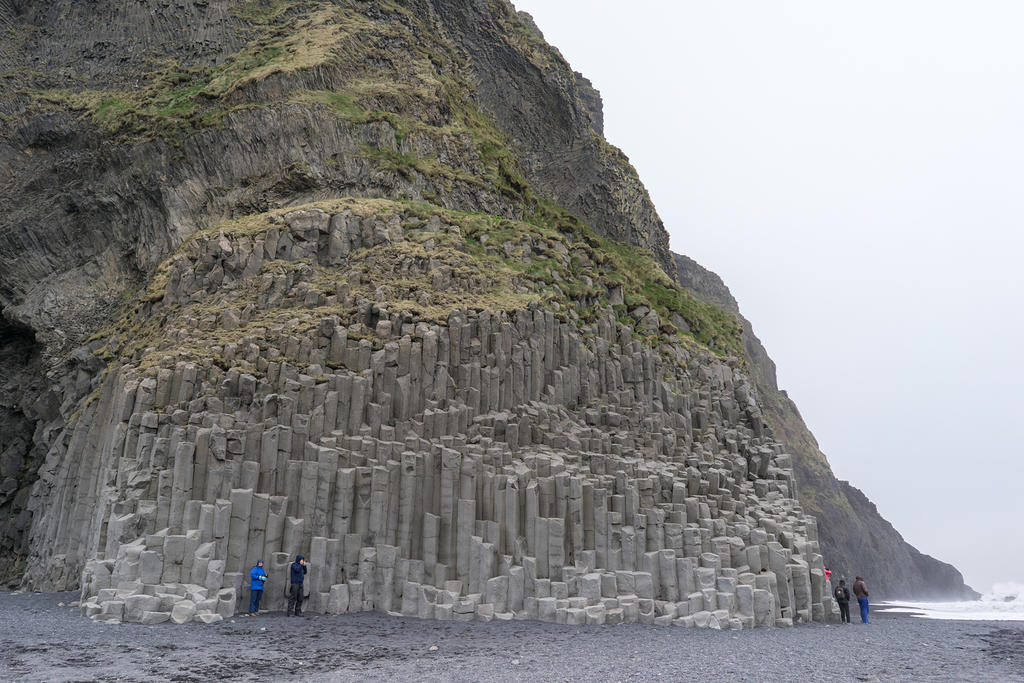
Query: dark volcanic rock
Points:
[145, 153]
[127, 132]
[532, 93]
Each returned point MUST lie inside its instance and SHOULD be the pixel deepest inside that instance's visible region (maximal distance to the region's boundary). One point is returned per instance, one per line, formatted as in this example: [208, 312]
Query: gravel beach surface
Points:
[41, 641]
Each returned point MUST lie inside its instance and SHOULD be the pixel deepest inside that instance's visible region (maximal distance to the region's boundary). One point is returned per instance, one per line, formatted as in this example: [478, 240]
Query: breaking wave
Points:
[1004, 603]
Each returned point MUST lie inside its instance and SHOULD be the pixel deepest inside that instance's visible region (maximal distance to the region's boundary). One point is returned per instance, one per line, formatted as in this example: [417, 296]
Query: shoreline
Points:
[40, 641]
[1004, 604]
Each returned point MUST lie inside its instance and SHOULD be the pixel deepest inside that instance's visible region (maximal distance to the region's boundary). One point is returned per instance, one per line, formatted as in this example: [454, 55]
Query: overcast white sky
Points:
[855, 173]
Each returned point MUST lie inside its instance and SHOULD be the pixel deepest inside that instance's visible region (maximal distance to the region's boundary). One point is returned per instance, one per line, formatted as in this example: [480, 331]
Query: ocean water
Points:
[1005, 602]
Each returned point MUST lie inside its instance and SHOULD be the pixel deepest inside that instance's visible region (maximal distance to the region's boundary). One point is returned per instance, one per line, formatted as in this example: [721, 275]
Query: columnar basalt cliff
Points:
[287, 391]
[361, 280]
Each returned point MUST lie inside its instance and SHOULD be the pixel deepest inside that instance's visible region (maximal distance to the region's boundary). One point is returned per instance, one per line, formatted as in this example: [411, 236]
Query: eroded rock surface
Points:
[493, 464]
[424, 341]
[124, 130]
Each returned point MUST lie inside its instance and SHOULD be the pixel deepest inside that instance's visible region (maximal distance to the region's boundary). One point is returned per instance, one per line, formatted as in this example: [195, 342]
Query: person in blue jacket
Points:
[257, 579]
[295, 590]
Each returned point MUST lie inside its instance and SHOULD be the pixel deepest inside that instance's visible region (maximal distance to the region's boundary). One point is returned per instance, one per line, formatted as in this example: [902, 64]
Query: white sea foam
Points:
[1004, 603]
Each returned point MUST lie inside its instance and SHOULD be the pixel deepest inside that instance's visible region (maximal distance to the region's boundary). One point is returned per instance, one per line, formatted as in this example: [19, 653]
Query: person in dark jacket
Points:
[860, 589]
[257, 579]
[295, 589]
[842, 596]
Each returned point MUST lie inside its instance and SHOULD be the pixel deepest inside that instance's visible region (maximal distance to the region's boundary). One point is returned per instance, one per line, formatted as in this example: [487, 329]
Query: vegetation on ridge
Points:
[285, 37]
[384, 68]
[465, 261]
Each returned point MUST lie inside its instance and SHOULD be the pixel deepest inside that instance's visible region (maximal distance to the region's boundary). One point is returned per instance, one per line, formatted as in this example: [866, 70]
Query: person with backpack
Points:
[296, 588]
[842, 596]
[860, 589]
[257, 579]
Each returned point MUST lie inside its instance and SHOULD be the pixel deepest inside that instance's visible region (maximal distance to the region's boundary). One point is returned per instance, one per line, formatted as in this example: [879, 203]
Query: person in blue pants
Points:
[860, 589]
[257, 579]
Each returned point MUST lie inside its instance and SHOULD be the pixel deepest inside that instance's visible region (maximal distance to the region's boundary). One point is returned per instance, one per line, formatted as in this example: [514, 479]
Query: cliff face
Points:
[361, 280]
[365, 99]
[531, 92]
[446, 430]
[123, 130]
[855, 538]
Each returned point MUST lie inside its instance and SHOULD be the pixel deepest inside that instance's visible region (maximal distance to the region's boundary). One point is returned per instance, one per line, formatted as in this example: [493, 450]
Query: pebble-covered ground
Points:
[41, 641]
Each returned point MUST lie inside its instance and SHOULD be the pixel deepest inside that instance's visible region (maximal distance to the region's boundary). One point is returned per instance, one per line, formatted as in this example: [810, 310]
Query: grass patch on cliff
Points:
[177, 100]
[501, 165]
[408, 105]
[160, 109]
[342, 105]
[470, 261]
[286, 46]
[261, 13]
[409, 165]
[645, 283]
[385, 65]
[523, 37]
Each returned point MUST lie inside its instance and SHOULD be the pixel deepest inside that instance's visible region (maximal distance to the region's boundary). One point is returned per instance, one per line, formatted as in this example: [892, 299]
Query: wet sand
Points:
[40, 641]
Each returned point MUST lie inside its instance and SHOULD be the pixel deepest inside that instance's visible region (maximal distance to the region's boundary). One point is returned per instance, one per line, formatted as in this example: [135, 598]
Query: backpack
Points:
[842, 594]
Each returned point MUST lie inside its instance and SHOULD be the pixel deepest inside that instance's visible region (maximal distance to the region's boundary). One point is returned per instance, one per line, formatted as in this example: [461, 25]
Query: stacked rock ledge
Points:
[400, 397]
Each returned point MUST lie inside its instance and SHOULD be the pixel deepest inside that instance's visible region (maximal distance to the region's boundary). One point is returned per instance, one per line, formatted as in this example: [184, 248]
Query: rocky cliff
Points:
[855, 538]
[316, 381]
[361, 280]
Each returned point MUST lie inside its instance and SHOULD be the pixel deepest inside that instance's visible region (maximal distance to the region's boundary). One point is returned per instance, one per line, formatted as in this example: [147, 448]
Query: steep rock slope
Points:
[463, 401]
[429, 406]
[527, 85]
[855, 538]
[583, 436]
[126, 128]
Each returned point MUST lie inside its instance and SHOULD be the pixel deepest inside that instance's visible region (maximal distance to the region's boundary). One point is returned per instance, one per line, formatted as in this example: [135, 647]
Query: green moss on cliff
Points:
[284, 46]
[344, 106]
[645, 283]
[501, 166]
[164, 107]
[465, 261]
[286, 37]
[390, 68]
[818, 490]
[523, 37]
[384, 67]
[487, 160]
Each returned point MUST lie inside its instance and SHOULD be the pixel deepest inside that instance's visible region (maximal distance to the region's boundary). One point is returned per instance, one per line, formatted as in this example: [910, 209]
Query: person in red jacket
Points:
[860, 589]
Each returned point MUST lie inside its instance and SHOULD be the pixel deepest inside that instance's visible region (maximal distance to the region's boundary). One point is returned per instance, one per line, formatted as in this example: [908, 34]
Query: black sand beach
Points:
[40, 641]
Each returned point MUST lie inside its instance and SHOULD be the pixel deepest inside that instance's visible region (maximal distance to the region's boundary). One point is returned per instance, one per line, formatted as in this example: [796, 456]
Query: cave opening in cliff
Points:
[16, 340]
